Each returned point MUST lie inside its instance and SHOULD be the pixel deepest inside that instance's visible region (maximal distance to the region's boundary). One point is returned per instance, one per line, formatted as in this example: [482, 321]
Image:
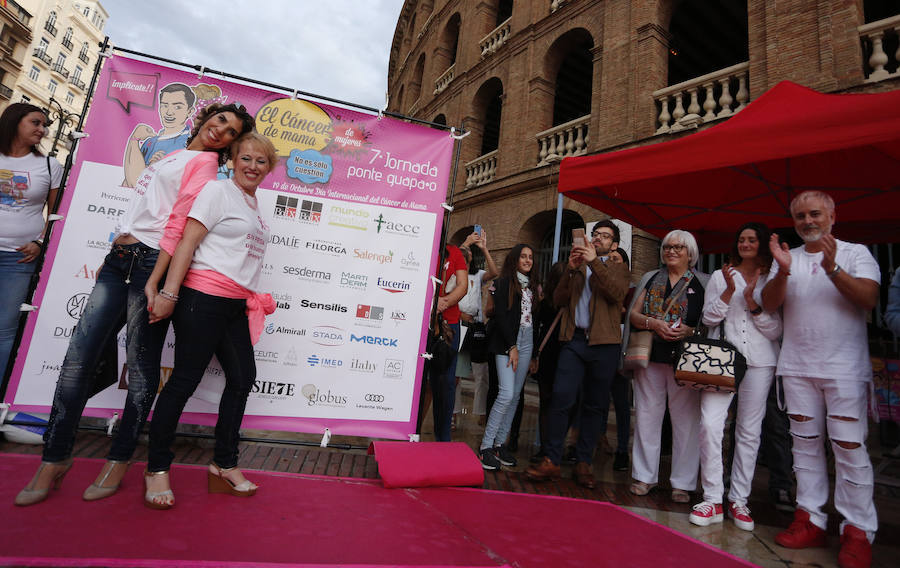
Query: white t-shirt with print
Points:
[24, 184]
[236, 242]
[824, 333]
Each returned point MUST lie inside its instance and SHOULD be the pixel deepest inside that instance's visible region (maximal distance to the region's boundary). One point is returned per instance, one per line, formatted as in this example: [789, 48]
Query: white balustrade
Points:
[730, 84]
[495, 40]
[556, 5]
[563, 141]
[872, 38]
[444, 80]
[481, 170]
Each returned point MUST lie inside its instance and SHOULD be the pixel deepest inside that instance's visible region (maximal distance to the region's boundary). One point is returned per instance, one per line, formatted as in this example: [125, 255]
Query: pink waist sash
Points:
[216, 284]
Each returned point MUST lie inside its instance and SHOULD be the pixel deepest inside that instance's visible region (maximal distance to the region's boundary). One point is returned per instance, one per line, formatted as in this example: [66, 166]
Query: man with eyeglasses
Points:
[590, 295]
[826, 288]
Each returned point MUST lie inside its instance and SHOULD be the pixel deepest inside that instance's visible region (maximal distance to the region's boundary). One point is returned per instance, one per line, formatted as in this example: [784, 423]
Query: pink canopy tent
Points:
[749, 167]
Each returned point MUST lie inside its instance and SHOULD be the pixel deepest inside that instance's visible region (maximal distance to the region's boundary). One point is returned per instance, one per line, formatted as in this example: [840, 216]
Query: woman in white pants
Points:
[733, 301]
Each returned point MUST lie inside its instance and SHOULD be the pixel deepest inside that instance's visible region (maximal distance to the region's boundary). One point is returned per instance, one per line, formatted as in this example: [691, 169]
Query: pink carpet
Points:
[299, 520]
[427, 464]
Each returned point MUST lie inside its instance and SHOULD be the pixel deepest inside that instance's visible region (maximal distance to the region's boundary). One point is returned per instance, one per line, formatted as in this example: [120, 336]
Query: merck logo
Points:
[373, 340]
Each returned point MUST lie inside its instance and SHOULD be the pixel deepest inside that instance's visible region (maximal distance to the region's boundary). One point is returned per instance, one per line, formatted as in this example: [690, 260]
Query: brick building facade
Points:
[535, 81]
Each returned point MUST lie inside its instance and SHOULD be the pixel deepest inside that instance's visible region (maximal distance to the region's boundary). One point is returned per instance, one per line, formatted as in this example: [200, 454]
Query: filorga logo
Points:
[286, 207]
[371, 316]
[394, 286]
[75, 305]
[393, 368]
[396, 228]
[315, 397]
[348, 217]
[331, 248]
[373, 340]
[353, 281]
[409, 262]
[328, 335]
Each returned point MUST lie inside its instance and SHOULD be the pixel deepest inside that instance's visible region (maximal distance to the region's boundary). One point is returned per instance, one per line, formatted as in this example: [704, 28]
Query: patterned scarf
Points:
[656, 301]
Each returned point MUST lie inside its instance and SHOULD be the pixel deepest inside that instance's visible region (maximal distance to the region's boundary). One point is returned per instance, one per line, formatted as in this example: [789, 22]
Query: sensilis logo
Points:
[326, 307]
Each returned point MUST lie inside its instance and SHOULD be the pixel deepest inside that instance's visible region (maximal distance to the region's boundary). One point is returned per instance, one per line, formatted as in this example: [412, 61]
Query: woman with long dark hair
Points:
[511, 339]
[733, 301]
[28, 180]
[118, 298]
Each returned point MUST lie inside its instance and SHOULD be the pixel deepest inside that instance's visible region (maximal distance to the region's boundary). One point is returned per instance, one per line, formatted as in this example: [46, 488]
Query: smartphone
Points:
[578, 238]
[478, 229]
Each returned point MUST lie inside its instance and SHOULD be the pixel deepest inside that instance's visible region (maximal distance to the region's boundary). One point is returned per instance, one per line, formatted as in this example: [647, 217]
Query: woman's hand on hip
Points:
[31, 251]
[160, 309]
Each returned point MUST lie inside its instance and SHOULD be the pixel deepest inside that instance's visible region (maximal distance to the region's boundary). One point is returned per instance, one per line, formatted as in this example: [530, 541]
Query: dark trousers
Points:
[443, 394]
[205, 326]
[775, 445]
[621, 401]
[591, 369]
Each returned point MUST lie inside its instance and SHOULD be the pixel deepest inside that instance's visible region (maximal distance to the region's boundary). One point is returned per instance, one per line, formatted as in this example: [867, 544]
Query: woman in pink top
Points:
[211, 293]
[118, 299]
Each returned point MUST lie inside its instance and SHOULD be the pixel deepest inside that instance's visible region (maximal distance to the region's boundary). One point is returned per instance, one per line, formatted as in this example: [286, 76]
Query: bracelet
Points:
[168, 295]
[38, 243]
[756, 311]
[646, 323]
[833, 273]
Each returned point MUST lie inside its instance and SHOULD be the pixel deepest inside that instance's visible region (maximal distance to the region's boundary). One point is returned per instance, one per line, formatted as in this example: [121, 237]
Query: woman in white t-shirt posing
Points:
[151, 220]
[211, 293]
[28, 180]
[733, 302]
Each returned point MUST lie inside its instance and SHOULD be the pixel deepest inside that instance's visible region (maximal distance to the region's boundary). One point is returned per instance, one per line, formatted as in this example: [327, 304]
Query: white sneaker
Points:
[705, 513]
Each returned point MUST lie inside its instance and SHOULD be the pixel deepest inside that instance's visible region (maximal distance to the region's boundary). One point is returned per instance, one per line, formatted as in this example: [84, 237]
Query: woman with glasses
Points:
[118, 298]
[669, 303]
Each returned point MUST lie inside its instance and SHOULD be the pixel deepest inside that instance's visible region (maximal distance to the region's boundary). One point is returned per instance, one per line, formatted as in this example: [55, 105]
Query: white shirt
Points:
[756, 337]
[24, 184]
[158, 187]
[471, 302]
[824, 333]
[236, 242]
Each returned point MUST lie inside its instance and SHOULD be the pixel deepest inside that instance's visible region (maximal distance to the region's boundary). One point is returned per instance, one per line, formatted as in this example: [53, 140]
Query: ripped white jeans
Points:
[838, 407]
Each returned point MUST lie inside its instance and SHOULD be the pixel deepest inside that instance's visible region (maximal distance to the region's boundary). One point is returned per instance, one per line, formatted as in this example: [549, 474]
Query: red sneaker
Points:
[705, 513]
[856, 552]
[801, 533]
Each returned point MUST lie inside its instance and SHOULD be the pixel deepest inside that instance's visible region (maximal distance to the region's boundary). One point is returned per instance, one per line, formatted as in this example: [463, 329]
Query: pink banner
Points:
[355, 210]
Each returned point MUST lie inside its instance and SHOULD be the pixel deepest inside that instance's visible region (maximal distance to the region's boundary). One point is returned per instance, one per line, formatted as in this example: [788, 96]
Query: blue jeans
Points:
[117, 298]
[205, 325]
[15, 277]
[443, 394]
[510, 382]
[590, 368]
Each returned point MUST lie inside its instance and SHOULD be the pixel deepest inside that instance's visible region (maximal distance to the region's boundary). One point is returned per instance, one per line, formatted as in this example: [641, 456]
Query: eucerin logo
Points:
[396, 228]
[373, 340]
[327, 335]
[380, 258]
[330, 248]
[394, 286]
[326, 307]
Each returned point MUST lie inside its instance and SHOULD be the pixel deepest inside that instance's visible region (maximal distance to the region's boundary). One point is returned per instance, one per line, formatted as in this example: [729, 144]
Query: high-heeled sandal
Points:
[150, 497]
[216, 482]
[31, 494]
[97, 489]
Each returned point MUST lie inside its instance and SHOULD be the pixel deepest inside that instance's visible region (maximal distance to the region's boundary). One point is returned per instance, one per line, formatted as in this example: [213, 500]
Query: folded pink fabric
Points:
[217, 284]
[427, 464]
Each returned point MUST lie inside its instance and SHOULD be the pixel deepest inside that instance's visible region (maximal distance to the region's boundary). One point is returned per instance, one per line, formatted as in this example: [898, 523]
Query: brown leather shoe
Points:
[544, 471]
[584, 476]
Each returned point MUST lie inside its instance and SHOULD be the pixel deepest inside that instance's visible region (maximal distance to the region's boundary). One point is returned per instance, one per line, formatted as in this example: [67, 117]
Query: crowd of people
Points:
[799, 314]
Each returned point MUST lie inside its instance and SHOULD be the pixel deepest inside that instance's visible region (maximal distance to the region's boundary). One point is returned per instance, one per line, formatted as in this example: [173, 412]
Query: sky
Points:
[334, 48]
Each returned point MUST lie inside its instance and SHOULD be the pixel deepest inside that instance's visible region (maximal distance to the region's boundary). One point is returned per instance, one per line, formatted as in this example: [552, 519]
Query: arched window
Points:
[880, 9]
[440, 119]
[705, 37]
[504, 11]
[571, 53]
[51, 19]
[68, 36]
[415, 86]
[489, 101]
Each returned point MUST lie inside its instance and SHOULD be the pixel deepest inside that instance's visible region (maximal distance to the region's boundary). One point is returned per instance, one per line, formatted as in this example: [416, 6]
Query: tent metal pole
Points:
[558, 229]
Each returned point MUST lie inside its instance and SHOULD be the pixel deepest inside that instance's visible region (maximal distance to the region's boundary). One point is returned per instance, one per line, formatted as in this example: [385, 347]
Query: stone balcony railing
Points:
[443, 81]
[872, 37]
[414, 108]
[495, 40]
[563, 141]
[713, 93]
[481, 170]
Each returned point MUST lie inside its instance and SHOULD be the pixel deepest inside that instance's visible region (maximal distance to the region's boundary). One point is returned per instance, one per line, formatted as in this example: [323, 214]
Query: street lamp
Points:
[63, 118]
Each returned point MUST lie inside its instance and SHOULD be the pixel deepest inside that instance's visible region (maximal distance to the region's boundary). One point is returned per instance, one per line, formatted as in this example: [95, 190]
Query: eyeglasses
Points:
[673, 248]
[604, 236]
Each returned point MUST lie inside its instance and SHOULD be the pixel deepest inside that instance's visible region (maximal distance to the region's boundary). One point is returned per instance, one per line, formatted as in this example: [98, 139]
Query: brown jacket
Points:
[609, 284]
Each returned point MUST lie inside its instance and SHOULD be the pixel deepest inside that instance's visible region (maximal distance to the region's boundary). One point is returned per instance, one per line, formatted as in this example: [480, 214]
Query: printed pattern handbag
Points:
[709, 364]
